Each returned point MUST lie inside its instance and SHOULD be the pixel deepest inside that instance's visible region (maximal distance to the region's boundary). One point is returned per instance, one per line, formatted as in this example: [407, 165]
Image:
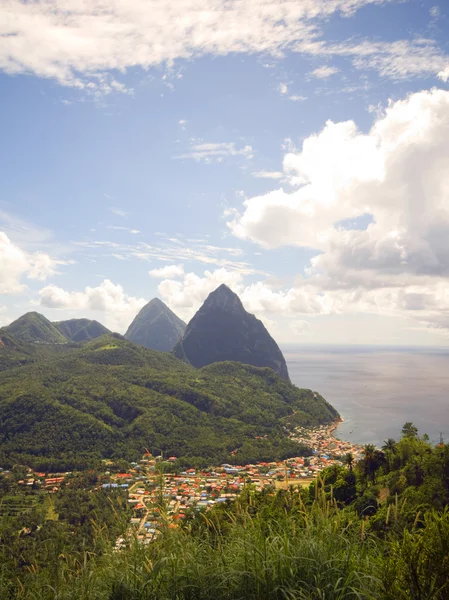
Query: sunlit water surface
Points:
[377, 389]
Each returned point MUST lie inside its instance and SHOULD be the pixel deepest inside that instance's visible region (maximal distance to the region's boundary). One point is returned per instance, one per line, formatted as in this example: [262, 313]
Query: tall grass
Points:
[275, 549]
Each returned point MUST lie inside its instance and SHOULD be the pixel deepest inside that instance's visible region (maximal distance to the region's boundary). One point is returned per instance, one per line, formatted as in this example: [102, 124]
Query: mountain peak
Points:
[156, 302]
[156, 327]
[81, 330]
[225, 299]
[222, 330]
[34, 327]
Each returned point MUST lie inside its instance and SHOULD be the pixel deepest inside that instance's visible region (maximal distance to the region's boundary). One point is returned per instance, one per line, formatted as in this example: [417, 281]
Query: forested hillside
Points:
[112, 398]
[81, 330]
[373, 530]
[34, 327]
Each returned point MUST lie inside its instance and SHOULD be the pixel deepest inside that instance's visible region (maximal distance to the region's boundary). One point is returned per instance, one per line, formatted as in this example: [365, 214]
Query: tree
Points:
[389, 445]
[390, 449]
[372, 461]
[349, 460]
[409, 430]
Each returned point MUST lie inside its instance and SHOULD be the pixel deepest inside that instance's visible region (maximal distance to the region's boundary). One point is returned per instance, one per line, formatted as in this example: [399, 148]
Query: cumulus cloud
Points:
[168, 272]
[186, 296]
[17, 264]
[78, 43]
[398, 175]
[444, 74]
[117, 307]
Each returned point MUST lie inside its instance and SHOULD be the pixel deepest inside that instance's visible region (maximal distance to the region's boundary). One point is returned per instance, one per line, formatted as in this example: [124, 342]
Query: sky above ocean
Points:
[297, 151]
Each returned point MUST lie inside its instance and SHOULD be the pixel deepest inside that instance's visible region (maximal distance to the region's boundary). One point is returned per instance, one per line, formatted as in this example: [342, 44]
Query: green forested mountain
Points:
[223, 330]
[112, 398]
[12, 352]
[156, 327]
[34, 327]
[81, 330]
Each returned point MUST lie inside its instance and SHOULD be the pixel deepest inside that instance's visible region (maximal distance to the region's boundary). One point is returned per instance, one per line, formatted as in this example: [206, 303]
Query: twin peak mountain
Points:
[221, 330]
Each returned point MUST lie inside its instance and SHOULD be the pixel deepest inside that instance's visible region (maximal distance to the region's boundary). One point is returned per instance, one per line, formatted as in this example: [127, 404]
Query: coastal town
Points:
[160, 494]
[160, 499]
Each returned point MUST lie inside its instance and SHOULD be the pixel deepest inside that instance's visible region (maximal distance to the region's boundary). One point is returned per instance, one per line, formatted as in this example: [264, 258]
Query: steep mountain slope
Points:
[34, 327]
[81, 330]
[112, 398]
[156, 327]
[222, 330]
[12, 352]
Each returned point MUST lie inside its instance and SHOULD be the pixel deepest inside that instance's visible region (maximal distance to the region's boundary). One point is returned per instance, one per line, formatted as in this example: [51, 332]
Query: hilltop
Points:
[156, 327]
[112, 398]
[223, 330]
[34, 327]
[81, 330]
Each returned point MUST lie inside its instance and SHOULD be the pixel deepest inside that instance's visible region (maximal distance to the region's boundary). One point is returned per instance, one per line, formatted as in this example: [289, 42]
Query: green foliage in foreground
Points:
[305, 544]
[112, 399]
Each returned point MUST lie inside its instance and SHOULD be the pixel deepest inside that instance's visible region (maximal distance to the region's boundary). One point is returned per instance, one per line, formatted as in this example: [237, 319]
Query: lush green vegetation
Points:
[349, 536]
[111, 398]
[14, 353]
[156, 327]
[34, 327]
[81, 330]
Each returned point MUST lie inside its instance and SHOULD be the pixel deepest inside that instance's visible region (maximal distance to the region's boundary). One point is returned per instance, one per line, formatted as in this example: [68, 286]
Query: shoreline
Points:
[324, 443]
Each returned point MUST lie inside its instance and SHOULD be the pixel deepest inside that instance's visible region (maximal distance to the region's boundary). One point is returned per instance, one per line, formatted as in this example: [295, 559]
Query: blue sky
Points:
[293, 150]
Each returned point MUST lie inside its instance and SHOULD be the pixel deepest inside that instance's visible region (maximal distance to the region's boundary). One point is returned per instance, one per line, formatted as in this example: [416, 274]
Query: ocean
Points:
[377, 389]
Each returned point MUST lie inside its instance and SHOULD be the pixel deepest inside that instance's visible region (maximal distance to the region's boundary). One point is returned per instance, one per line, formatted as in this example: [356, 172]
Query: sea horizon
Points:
[376, 389]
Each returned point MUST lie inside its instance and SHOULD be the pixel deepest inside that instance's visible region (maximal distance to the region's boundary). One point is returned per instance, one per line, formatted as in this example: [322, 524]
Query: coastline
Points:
[324, 443]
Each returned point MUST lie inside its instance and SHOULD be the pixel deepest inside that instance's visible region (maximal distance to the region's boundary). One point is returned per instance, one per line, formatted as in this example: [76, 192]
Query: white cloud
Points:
[267, 174]
[398, 173]
[78, 43]
[300, 327]
[283, 88]
[118, 211]
[117, 307]
[186, 296]
[324, 72]
[215, 152]
[169, 250]
[17, 264]
[434, 12]
[4, 318]
[444, 74]
[168, 272]
[128, 229]
[397, 60]
[296, 98]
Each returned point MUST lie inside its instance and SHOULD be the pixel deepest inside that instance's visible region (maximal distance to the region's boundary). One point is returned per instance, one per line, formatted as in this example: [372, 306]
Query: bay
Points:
[377, 389]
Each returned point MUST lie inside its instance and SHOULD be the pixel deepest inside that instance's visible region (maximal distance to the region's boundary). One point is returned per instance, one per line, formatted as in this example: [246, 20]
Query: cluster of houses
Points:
[165, 499]
[325, 445]
[159, 499]
[50, 482]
